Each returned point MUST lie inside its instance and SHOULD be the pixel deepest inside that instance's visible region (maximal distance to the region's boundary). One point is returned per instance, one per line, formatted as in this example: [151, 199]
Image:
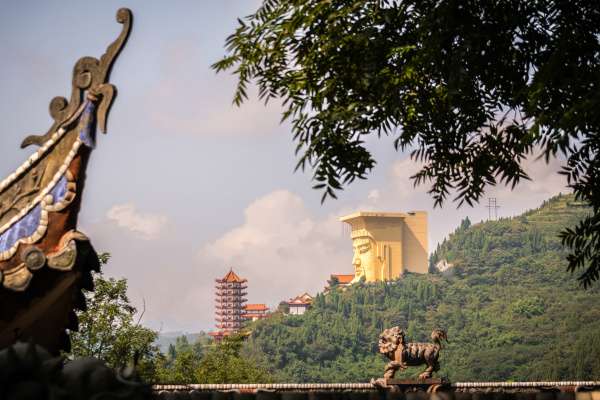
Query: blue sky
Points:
[185, 185]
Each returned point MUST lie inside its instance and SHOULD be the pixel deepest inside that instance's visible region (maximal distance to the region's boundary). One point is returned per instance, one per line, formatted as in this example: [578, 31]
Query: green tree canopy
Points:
[471, 88]
[223, 364]
[219, 363]
[512, 315]
[334, 281]
[107, 329]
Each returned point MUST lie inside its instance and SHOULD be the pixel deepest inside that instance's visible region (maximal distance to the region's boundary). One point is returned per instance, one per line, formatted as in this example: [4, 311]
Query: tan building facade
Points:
[387, 244]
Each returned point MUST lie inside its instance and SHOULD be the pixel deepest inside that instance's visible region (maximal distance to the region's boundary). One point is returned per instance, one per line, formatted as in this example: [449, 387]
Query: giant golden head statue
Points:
[365, 259]
[387, 244]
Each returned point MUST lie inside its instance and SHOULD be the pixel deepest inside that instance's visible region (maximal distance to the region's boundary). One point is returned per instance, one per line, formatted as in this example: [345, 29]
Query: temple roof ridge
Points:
[261, 306]
[231, 277]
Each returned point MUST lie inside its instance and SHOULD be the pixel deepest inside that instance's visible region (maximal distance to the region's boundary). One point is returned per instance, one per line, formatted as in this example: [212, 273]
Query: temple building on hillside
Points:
[256, 312]
[299, 304]
[230, 299]
[342, 280]
[387, 244]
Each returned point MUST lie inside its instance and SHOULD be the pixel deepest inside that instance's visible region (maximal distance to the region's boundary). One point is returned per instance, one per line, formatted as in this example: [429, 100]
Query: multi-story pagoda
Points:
[232, 310]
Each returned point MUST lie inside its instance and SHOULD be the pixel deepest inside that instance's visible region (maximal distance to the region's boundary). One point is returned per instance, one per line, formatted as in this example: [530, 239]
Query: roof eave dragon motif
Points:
[44, 261]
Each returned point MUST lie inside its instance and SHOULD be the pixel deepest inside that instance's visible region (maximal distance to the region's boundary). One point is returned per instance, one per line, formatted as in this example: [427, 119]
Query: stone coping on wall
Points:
[372, 395]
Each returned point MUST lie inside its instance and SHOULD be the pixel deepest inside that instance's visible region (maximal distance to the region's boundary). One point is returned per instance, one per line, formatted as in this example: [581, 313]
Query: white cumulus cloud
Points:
[146, 225]
[281, 249]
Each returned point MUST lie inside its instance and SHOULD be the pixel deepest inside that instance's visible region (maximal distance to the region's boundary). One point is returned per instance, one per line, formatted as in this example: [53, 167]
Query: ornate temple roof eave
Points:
[238, 318]
[230, 307]
[230, 301]
[343, 279]
[224, 287]
[231, 277]
[39, 205]
[293, 304]
[230, 320]
[231, 328]
[257, 307]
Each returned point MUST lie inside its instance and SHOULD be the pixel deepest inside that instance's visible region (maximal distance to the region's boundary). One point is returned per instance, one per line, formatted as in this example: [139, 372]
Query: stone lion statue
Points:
[393, 345]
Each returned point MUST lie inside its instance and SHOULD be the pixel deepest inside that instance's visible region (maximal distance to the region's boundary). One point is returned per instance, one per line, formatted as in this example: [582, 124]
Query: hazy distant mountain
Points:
[166, 338]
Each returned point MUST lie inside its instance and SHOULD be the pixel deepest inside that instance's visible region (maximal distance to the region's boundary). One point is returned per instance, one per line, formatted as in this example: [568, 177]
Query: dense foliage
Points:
[108, 331]
[205, 362]
[470, 87]
[510, 310]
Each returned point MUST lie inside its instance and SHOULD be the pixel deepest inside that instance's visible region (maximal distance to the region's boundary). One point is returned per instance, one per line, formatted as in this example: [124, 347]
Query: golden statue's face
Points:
[365, 259]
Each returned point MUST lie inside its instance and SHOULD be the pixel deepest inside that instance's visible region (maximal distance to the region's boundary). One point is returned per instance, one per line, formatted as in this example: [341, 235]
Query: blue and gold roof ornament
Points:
[44, 260]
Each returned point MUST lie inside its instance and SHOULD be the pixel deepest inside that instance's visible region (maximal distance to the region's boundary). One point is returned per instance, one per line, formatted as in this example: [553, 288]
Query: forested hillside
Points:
[510, 310]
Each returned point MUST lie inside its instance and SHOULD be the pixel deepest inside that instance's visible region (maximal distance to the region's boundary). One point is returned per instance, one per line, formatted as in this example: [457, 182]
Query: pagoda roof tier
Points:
[224, 304]
[237, 311]
[229, 288]
[230, 301]
[224, 320]
[231, 294]
[228, 307]
[231, 277]
[233, 313]
[232, 328]
[227, 333]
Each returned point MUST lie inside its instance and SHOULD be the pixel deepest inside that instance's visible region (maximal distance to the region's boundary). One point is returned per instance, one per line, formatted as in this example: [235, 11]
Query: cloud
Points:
[281, 249]
[190, 99]
[158, 263]
[148, 225]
